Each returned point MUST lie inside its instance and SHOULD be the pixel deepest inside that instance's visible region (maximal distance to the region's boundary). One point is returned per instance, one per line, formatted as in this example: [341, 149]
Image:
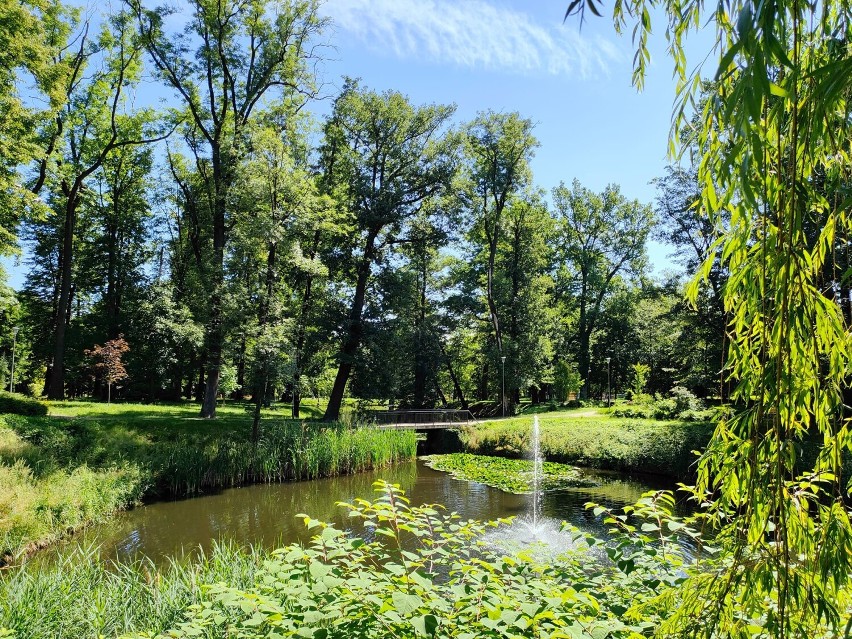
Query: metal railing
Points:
[416, 418]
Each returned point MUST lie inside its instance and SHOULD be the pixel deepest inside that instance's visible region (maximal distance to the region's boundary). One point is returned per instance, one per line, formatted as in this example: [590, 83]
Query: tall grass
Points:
[630, 445]
[286, 451]
[80, 596]
[38, 510]
[59, 475]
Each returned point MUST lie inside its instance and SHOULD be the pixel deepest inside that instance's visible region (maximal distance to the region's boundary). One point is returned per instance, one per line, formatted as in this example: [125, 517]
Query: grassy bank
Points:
[59, 474]
[631, 445]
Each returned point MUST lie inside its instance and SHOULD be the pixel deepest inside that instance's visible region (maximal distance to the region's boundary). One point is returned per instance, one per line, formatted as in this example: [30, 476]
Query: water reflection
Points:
[266, 515]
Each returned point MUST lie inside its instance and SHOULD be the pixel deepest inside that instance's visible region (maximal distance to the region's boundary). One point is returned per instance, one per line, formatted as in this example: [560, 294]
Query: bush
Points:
[18, 404]
[632, 411]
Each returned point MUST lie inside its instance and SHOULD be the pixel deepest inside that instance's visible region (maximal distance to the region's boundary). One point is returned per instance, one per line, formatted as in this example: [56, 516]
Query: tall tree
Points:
[603, 235]
[524, 262]
[384, 158]
[34, 53]
[94, 124]
[499, 147]
[693, 234]
[278, 199]
[229, 58]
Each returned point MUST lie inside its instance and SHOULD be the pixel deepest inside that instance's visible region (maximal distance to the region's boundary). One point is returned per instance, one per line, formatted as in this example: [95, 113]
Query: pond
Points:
[266, 515]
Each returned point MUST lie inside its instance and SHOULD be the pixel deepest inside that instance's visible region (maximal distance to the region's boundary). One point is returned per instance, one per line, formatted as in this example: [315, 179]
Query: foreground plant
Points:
[420, 571]
[772, 135]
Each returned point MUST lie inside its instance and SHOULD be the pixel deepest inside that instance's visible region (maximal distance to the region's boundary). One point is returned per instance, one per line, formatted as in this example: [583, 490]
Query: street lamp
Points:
[14, 343]
[503, 384]
[608, 391]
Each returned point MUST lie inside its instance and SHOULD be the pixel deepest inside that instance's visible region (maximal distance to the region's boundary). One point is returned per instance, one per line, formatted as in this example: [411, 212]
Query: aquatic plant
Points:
[598, 442]
[510, 475]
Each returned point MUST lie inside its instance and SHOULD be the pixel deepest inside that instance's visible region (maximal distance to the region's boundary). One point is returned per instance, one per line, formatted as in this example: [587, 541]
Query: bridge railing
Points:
[425, 418]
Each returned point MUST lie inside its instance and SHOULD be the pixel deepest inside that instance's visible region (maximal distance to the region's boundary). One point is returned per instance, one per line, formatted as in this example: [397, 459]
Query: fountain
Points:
[542, 536]
[537, 474]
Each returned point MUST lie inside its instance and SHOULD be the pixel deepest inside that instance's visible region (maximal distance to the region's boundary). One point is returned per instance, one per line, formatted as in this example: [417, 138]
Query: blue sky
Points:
[513, 55]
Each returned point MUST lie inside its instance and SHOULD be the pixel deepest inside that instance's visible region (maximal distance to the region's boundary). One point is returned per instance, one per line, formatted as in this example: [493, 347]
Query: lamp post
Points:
[14, 343]
[608, 388]
[503, 384]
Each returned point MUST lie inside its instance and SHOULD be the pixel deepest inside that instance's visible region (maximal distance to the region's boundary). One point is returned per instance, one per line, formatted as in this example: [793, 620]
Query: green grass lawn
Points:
[229, 411]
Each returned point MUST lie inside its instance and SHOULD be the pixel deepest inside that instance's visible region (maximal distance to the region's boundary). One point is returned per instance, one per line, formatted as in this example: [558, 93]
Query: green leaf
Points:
[425, 625]
[405, 604]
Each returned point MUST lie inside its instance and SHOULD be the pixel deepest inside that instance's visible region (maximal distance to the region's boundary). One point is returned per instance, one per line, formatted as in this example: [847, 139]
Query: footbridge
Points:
[420, 419]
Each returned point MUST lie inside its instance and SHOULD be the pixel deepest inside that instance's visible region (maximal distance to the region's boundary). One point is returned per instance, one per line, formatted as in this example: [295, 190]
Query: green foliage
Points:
[773, 175]
[603, 239]
[610, 443]
[566, 380]
[402, 571]
[38, 509]
[17, 404]
[511, 475]
[640, 378]
[419, 571]
[78, 594]
[679, 405]
[228, 381]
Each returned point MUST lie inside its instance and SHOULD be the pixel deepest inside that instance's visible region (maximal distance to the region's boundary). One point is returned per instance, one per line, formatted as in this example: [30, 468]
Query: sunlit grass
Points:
[634, 445]
[79, 595]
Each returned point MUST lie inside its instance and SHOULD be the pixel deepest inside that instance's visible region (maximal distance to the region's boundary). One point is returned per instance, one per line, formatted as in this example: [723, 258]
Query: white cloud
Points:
[473, 34]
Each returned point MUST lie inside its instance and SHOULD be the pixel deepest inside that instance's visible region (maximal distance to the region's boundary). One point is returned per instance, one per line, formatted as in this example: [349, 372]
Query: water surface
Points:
[266, 515]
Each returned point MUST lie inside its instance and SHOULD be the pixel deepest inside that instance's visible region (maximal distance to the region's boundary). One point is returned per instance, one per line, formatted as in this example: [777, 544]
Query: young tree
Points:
[107, 362]
[229, 58]
[384, 159]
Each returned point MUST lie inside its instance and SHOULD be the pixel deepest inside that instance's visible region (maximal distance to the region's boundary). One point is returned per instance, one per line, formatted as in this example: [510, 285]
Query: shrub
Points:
[632, 411]
[18, 404]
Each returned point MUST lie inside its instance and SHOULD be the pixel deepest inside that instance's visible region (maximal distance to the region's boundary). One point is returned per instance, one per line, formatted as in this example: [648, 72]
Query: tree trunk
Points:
[420, 363]
[300, 335]
[56, 389]
[215, 334]
[583, 335]
[489, 291]
[262, 384]
[353, 337]
[456, 385]
[241, 371]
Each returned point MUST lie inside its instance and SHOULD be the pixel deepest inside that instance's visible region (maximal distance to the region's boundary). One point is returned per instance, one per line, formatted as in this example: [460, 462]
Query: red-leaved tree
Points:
[107, 361]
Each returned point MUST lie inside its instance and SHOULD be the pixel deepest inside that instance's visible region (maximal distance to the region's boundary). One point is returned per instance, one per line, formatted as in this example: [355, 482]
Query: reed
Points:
[81, 596]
